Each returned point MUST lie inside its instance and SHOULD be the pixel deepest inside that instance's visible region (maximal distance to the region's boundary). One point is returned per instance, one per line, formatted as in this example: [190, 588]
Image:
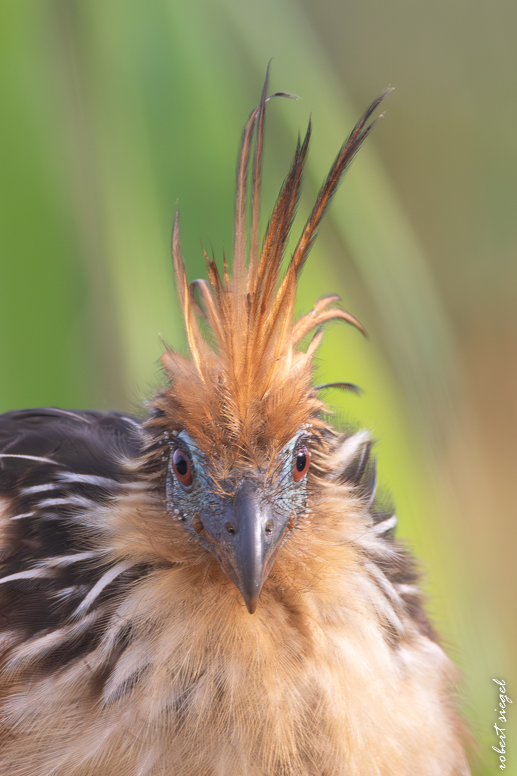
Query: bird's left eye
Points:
[301, 464]
[181, 467]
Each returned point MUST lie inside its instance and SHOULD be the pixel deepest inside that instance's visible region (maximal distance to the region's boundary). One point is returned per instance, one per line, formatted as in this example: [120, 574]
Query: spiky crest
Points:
[249, 383]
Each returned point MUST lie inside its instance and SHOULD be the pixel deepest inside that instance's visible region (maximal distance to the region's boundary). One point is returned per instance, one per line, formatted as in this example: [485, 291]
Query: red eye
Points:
[302, 463]
[181, 467]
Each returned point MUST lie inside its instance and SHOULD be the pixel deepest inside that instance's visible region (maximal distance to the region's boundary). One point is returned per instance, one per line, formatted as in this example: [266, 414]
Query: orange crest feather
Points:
[251, 387]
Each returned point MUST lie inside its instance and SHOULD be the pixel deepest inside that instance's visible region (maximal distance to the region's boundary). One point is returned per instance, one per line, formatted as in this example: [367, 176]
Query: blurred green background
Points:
[113, 113]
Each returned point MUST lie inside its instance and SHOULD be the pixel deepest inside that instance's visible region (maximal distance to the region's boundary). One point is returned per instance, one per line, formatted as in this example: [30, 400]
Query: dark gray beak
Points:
[246, 540]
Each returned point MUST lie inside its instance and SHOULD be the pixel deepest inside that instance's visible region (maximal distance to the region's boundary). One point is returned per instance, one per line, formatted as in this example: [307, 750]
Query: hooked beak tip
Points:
[251, 604]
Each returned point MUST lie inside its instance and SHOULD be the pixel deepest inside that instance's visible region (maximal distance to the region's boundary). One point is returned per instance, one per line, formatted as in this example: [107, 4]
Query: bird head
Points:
[238, 420]
[242, 510]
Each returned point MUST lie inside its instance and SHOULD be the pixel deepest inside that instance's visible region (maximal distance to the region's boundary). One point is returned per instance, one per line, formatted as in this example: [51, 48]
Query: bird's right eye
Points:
[301, 464]
[181, 467]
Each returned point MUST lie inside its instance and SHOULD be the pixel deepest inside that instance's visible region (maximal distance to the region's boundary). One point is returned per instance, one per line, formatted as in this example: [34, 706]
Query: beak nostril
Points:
[269, 528]
[229, 527]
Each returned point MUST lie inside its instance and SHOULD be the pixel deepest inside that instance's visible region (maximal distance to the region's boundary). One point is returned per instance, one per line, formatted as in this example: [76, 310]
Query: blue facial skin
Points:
[244, 520]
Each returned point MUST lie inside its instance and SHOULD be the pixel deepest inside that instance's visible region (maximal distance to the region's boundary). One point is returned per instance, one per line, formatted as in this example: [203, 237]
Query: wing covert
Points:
[55, 465]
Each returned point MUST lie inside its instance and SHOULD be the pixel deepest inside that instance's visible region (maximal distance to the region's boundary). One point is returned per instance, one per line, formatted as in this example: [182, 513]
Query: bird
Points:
[212, 587]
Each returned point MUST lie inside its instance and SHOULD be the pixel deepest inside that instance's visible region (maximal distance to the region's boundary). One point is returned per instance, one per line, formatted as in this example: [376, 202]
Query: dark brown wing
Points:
[55, 467]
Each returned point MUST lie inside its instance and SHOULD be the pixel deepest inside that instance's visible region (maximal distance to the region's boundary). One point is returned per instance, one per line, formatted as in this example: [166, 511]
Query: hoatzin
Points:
[212, 590]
